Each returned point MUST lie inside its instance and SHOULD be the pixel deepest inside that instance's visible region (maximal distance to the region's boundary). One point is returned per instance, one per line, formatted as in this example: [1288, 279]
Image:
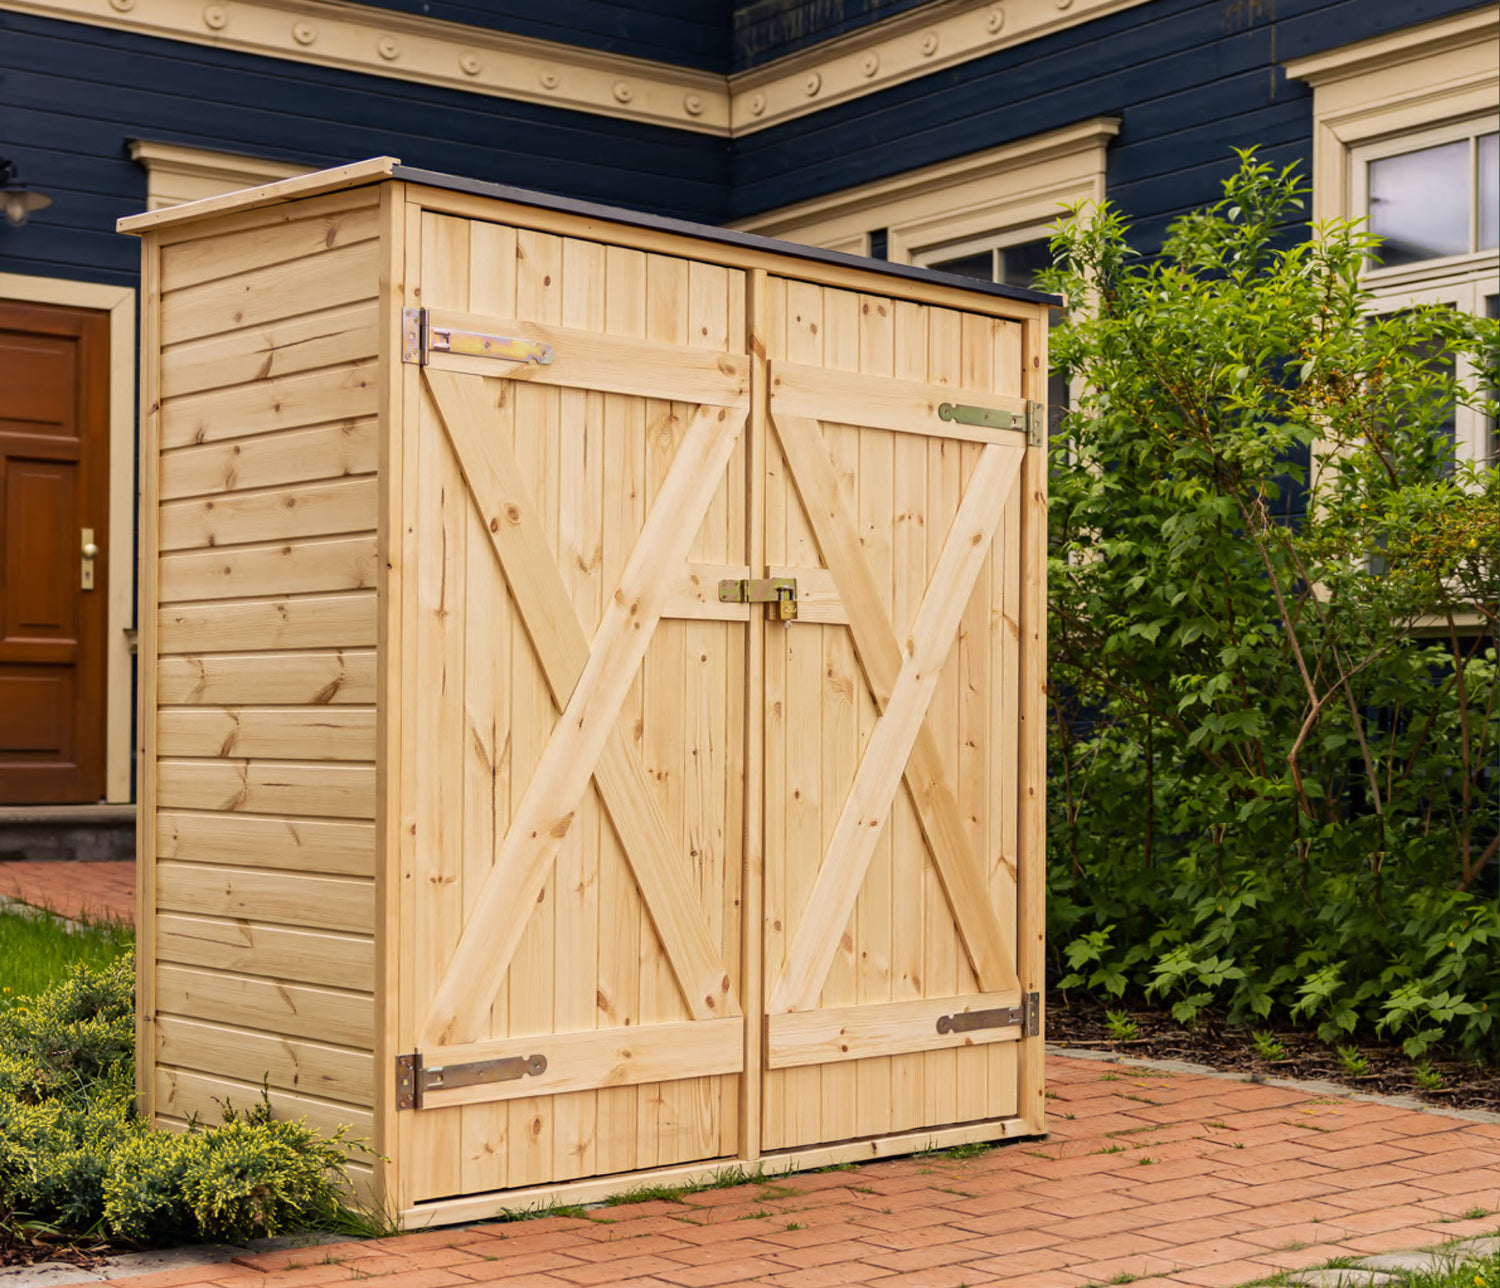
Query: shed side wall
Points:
[264, 776]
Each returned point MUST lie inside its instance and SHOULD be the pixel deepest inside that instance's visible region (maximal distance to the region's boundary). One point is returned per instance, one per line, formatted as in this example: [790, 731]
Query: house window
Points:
[1438, 200]
[1405, 136]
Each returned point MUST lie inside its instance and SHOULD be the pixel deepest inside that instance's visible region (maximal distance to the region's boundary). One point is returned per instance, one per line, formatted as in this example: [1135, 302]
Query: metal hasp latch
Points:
[419, 338]
[1027, 1017]
[1033, 421]
[778, 594]
[413, 1079]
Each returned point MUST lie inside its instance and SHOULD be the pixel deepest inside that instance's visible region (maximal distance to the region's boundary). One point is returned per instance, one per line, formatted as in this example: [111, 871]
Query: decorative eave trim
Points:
[926, 40]
[380, 42]
[1397, 48]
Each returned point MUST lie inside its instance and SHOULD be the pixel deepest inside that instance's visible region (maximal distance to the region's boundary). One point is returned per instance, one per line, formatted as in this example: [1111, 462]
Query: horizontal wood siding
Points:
[74, 94]
[265, 729]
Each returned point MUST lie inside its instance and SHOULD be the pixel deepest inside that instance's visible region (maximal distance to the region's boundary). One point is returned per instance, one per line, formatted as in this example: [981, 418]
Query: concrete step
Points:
[90, 833]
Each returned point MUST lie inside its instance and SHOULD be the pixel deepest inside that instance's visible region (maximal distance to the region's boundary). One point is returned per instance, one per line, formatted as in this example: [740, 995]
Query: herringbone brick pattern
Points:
[1189, 1181]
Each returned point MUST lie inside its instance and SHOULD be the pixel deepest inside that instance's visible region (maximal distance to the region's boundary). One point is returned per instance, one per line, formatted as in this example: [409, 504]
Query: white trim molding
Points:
[477, 60]
[1395, 84]
[1021, 185]
[929, 39]
[383, 42]
[175, 175]
[119, 638]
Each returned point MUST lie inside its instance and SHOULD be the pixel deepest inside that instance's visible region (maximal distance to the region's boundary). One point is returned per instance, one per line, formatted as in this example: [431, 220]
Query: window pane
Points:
[1419, 203]
[981, 266]
[1489, 191]
[1019, 265]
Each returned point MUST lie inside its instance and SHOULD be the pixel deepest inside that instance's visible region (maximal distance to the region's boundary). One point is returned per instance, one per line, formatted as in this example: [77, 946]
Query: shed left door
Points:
[574, 706]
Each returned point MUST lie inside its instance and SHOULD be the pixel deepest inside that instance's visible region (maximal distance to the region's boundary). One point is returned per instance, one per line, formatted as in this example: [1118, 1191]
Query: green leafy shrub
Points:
[74, 1156]
[1272, 780]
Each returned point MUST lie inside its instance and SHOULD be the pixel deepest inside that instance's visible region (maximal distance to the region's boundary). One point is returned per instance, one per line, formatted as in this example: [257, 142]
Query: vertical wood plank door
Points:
[571, 767]
[891, 788]
[54, 452]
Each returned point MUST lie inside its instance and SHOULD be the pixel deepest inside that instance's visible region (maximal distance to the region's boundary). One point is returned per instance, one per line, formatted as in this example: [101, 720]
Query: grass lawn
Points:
[37, 947]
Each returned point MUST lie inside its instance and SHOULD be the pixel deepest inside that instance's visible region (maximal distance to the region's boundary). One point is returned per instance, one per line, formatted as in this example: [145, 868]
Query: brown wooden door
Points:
[891, 719]
[54, 368]
[574, 808]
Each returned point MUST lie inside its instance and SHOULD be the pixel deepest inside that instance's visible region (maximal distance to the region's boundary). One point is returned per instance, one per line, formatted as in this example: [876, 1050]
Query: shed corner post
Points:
[1032, 817]
[146, 563]
[393, 395]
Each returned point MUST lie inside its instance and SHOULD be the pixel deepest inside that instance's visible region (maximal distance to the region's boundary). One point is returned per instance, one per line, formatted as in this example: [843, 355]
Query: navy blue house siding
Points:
[75, 94]
[1189, 79]
[689, 33]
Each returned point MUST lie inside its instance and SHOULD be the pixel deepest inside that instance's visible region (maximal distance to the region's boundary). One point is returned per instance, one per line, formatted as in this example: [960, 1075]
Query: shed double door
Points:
[579, 712]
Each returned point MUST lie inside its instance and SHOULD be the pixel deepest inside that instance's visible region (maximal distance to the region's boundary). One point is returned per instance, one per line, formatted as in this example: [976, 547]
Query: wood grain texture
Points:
[835, 1034]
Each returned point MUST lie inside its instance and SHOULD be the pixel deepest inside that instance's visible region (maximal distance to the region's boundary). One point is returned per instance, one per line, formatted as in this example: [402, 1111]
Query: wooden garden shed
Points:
[592, 683]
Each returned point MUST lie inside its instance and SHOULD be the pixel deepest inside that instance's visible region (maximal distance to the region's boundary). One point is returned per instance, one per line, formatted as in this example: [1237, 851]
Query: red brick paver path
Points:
[1192, 1181]
[99, 891]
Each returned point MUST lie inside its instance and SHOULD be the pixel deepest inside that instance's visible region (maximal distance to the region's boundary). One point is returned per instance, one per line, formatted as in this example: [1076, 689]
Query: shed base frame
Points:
[479, 1207]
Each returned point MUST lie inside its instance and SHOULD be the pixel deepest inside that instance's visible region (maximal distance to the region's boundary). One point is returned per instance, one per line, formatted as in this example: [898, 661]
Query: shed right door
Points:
[891, 710]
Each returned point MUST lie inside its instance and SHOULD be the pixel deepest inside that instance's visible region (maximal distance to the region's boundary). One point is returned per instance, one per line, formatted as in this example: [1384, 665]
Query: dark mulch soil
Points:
[1078, 1020]
[18, 1248]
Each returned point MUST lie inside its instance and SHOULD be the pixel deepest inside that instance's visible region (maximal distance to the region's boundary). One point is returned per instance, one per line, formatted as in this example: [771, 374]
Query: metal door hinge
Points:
[1036, 424]
[420, 339]
[1033, 420]
[1027, 1017]
[413, 1079]
[778, 594]
[981, 417]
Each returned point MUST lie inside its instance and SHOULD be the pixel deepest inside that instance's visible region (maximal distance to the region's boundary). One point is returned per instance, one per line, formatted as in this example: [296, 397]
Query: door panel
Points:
[890, 780]
[54, 365]
[576, 801]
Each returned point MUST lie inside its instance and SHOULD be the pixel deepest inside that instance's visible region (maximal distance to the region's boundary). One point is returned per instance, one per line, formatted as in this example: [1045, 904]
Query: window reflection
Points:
[1419, 203]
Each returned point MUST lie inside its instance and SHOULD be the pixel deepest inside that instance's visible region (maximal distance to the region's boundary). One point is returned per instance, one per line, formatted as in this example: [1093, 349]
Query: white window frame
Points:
[1378, 276]
[1422, 86]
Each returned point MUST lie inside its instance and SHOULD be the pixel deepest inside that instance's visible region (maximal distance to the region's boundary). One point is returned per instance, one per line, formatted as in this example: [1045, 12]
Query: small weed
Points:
[1216, 1123]
[860, 1189]
[1049, 1095]
[1308, 1126]
[1144, 1161]
[973, 1149]
[794, 1225]
[1144, 1100]
[1268, 1045]
[1428, 1078]
[1296, 1245]
[1239, 1144]
[1124, 1277]
[1109, 1077]
[1355, 1064]
[1132, 1131]
[1108, 1149]
[836, 1167]
[963, 1194]
[1475, 1214]
[1070, 1116]
[771, 1191]
[641, 1194]
[1121, 1027]
[754, 1216]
